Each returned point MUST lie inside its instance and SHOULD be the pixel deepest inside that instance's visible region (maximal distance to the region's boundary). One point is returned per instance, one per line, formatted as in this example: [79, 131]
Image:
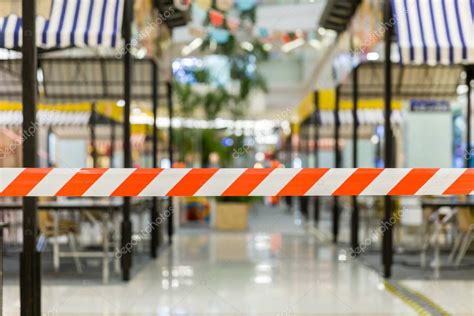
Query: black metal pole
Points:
[387, 244]
[303, 137]
[30, 260]
[155, 233]
[337, 162]
[92, 129]
[289, 163]
[2, 225]
[317, 124]
[355, 127]
[169, 95]
[112, 143]
[126, 259]
[49, 160]
[469, 151]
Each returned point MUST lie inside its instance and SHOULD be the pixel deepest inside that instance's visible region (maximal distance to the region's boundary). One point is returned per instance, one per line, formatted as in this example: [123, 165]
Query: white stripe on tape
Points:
[330, 181]
[7, 175]
[108, 182]
[220, 181]
[164, 182]
[53, 182]
[274, 182]
[440, 181]
[386, 180]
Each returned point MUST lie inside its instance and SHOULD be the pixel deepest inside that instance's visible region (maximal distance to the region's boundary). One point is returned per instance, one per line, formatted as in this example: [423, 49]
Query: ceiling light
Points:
[373, 56]
[121, 103]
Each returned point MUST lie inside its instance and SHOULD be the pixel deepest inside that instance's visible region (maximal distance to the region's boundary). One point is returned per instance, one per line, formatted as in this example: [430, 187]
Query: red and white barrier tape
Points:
[234, 182]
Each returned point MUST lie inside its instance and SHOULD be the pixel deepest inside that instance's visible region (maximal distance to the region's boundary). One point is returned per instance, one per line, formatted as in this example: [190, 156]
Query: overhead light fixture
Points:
[288, 47]
[191, 47]
[373, 56]
[121, 103]
[247, 46]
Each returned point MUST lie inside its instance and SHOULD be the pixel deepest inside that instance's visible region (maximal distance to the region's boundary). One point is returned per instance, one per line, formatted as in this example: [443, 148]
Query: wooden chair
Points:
[67, 228]
[465, 221]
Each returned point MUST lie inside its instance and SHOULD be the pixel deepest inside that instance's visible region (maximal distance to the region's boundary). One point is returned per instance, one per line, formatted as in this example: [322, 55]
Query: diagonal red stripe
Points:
[25, 181]
[81, 181]
[302, 182]
[463, 185]
[413, 181]
[357, 181]
[247, 182]
[192, 182]
[136, 182]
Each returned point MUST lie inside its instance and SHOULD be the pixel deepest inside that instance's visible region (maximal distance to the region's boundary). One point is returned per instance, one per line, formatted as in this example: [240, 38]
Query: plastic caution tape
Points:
[235, 182]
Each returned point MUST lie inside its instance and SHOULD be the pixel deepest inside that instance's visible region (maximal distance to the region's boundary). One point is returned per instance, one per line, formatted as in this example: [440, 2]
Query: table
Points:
[108, 207]
[435, 205]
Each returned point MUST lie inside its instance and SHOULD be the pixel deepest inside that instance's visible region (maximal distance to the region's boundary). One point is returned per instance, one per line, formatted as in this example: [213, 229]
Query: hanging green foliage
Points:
[222, 39]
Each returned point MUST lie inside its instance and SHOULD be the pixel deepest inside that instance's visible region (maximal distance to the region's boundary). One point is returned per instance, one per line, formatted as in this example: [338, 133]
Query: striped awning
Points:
[435, 31]
[72, 23]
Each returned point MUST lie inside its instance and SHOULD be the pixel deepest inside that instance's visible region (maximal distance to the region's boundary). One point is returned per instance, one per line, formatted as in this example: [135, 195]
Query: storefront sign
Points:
[429, 106]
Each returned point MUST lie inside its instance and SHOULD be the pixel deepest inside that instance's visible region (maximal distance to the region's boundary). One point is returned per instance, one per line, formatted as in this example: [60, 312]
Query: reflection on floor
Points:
[258, 272]
[407, 266]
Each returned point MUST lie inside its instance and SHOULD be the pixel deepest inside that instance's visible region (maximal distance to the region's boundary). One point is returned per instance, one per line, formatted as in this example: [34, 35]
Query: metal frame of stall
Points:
[387, 253]
[102, 64]
[333, 19]
[371, 90]
[30, 262]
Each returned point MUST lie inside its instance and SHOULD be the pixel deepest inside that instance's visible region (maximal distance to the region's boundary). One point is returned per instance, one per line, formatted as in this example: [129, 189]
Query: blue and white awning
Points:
[72, 23]
[435, 31]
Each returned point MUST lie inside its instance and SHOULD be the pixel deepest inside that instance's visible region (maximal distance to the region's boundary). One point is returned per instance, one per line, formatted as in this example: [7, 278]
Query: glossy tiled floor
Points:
[260, 272]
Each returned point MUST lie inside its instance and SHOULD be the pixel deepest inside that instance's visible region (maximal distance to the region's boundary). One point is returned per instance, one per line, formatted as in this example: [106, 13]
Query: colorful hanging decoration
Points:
[198, 15]
[224, 5]
[204, 4]
[263, 32]
[216, 18]
[182, 5]
[221, 36]
[245, 5]
[233, 23]
[285, 38]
